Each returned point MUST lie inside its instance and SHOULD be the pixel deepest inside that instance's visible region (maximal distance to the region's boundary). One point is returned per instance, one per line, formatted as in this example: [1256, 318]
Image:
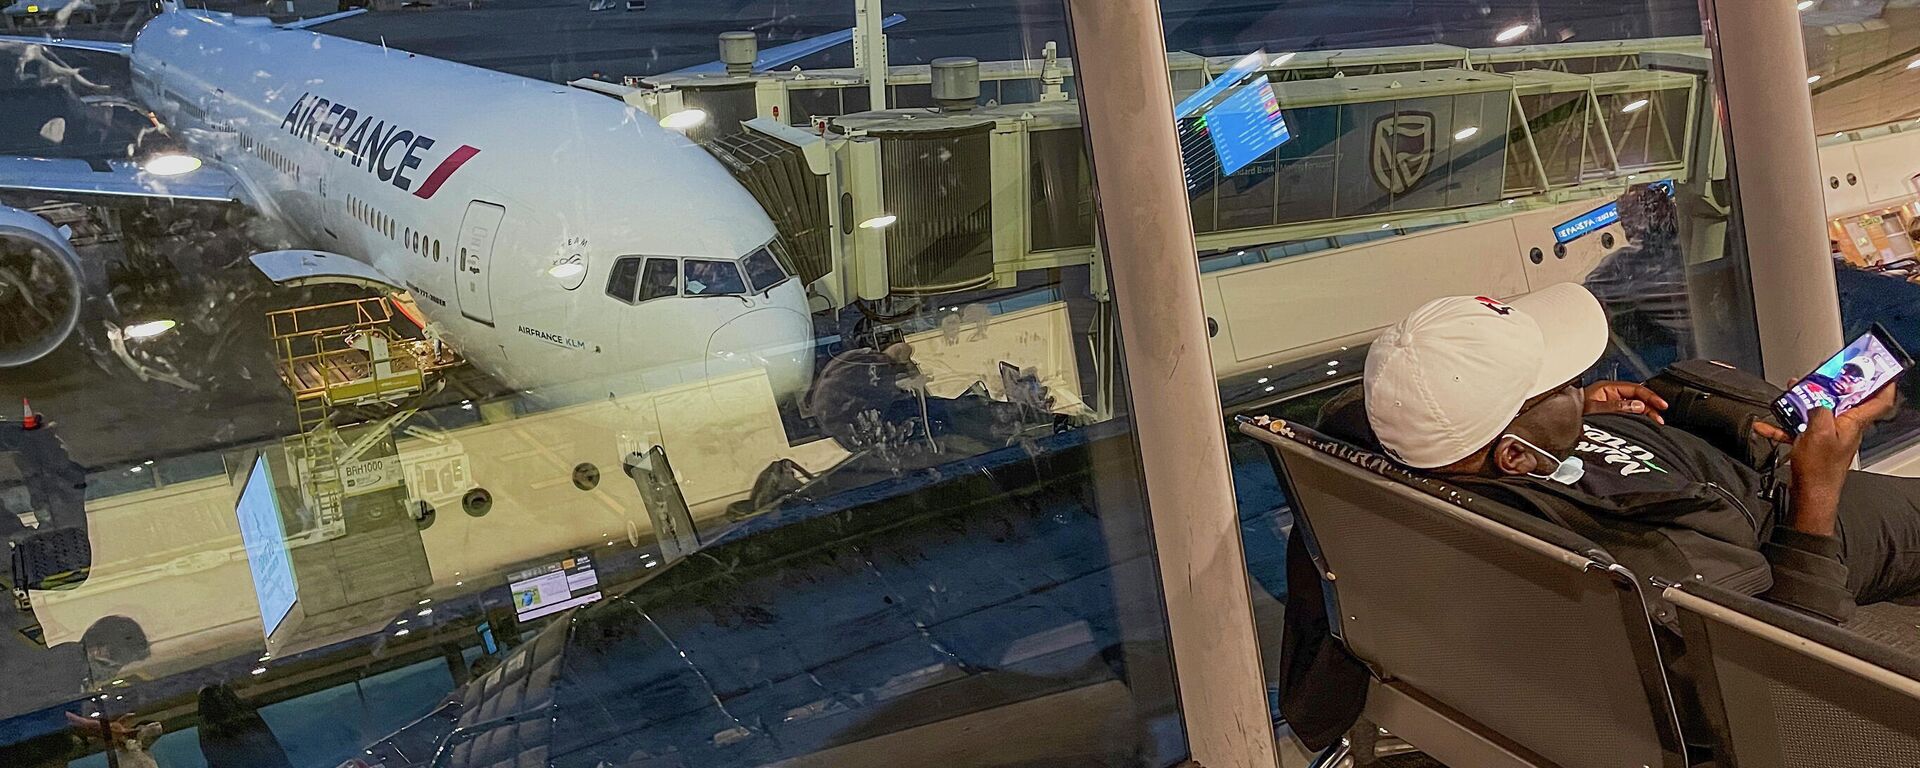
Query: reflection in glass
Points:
[1433, 154]
[1862, 118]
[592, 407]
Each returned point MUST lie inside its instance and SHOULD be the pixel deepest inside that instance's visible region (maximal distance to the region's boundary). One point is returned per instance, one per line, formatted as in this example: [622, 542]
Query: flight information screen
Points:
[554, 587]
[1243, 126]
[265, 539]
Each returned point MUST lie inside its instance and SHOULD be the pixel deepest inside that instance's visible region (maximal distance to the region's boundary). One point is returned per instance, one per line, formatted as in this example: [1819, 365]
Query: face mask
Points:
[1566, 471]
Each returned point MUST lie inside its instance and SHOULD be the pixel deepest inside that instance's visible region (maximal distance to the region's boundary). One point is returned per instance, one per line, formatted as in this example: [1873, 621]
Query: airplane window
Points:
[713, 278]
[662, 279]
[763, 271]
[436, 250]
[624, 278]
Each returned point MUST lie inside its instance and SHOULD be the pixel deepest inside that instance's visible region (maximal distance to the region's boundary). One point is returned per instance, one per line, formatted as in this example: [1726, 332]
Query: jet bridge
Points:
[949, 191]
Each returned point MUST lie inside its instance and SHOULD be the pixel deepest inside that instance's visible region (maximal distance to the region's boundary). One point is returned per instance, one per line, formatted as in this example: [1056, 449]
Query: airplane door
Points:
[475, 263]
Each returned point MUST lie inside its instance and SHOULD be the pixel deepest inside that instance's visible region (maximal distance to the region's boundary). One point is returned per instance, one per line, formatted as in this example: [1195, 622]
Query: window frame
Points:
[613, 273]
[738, 272]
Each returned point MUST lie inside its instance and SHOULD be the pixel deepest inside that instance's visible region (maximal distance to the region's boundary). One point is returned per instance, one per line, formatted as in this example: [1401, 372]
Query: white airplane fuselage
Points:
[477, 191]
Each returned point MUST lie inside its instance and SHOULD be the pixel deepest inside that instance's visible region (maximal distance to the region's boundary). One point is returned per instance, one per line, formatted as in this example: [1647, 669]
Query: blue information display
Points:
[1246, 125]
[1240, 70]
[265, 539]
[1239, 125]
[1598, 218]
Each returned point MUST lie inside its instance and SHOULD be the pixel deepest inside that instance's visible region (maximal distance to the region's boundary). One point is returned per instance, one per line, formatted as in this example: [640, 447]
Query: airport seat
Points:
[1494, 638]
[1783, 689]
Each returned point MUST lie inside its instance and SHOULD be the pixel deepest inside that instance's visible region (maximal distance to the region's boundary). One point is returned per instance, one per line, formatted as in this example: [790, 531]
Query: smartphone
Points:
[1845, 380]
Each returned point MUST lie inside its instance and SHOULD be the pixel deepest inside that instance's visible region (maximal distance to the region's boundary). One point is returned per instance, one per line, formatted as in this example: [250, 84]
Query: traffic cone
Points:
[29, 420]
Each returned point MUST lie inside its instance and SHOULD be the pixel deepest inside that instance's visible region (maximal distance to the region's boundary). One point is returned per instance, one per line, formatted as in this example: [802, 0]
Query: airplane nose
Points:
[775, 338]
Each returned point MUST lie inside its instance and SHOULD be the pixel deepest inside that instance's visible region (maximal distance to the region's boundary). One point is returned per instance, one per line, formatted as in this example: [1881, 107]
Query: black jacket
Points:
[1663, 502]
[1668, 505]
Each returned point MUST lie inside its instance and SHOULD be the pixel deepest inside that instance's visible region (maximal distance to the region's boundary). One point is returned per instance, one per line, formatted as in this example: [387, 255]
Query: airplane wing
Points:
[114, 178]
[319, 20]
[295, 268]
[96, 46]
[782, 54]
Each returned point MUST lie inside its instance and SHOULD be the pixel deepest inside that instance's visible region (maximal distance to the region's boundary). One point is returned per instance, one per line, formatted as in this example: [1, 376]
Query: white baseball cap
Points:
[1447, 380]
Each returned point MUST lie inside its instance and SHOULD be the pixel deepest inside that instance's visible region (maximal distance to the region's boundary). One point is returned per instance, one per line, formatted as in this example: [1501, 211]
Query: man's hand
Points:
[1624, 397]
[1823, 454]
[122, 726]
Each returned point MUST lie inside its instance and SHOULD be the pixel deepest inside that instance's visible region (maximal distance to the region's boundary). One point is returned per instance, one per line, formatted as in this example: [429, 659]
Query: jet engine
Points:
[40, 287]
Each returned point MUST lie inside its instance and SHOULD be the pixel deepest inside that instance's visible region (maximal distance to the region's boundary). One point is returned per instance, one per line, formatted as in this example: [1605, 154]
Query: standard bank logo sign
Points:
[1402, 150]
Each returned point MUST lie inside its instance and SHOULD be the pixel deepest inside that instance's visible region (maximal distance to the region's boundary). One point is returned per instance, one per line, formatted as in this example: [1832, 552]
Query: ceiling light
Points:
[1281, 59]
[259, 670]
[568, 269]
[1511, 34]
[1915, 64]
[402, 633]
[1811, 79]
[172, 164]
[149, 329]
[684, 119]
[1803, 5]
[878, 222]
[1465, 133]
[1634, 106]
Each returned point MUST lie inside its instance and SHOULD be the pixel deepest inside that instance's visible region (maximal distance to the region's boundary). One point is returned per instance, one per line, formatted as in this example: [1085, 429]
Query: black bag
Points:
[780, 479]
[50, 558]
[1720, 404]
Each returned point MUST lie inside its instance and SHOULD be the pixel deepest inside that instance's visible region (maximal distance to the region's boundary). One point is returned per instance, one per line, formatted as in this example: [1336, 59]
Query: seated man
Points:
[1483, 394]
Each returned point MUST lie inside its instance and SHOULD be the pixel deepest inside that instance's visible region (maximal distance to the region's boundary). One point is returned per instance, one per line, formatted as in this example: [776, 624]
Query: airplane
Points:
[566, 243]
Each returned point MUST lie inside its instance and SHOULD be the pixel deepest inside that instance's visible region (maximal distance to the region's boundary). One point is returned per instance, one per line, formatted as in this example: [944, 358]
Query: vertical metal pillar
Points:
[1146, 236]
[1761, 63]
[870, 49]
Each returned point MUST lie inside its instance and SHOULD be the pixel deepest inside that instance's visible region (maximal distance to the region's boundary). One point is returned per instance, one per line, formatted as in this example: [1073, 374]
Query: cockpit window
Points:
[660, 279]
[713, 278]
[763, 270]
[624, 278]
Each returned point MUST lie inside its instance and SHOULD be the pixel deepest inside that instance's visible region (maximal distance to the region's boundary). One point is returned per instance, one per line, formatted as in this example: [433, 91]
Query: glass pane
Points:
[662, 279]
[620, 284]
[1859, 59]
[762, 270]
[1346, 167]
[751, 417]
[713, 278]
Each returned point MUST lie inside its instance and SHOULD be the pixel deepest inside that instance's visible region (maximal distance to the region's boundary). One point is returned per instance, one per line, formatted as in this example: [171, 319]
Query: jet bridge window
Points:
[713, 278]
[763, 270]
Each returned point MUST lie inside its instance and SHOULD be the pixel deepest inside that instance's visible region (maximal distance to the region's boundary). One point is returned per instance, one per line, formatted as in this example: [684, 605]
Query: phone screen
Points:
[1843, 381]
